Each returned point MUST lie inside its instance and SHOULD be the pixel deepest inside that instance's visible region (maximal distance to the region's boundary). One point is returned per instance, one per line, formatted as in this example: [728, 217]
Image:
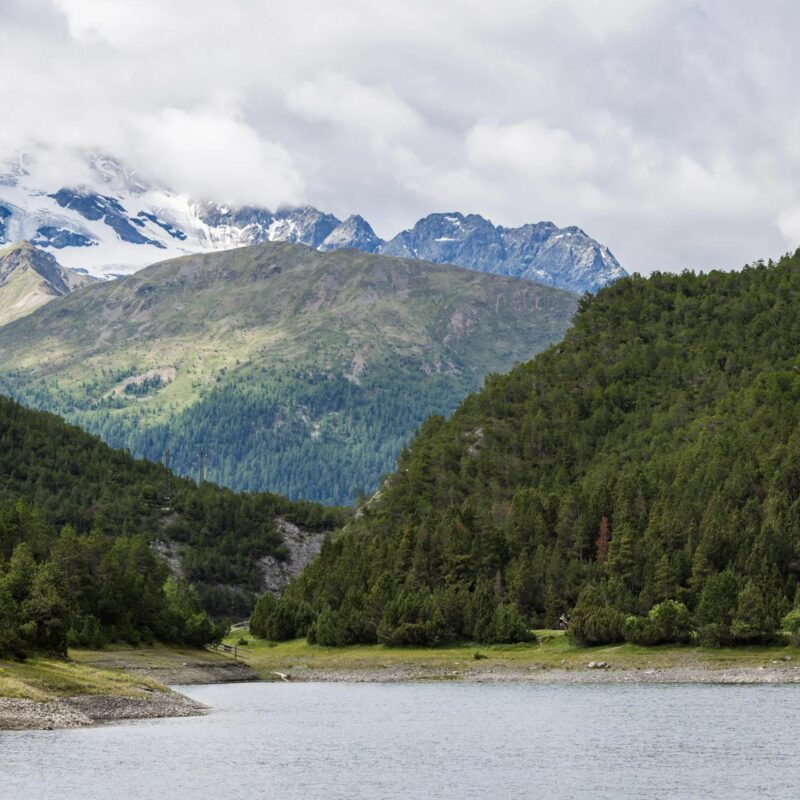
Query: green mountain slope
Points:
[213, 536]
[30, 278]
[276, 366]
[653, 455]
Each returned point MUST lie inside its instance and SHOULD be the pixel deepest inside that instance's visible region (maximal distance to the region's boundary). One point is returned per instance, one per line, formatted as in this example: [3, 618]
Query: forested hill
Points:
[653, 455]
[73, 479]
[277, 367]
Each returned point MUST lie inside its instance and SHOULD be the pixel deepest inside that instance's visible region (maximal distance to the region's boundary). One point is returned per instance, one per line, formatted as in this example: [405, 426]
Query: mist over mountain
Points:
[115, 222]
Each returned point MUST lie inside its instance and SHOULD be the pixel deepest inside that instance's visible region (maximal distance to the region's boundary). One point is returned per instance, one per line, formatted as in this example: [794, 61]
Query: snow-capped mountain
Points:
[564, 257]
[114, 222]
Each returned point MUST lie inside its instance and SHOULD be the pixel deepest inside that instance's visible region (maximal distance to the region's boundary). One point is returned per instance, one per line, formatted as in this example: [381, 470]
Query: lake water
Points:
[429, 741]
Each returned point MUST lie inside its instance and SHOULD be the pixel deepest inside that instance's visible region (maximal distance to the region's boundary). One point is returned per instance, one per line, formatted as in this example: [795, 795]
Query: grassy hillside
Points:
[651, 456]
[31, 278]
[275, 366]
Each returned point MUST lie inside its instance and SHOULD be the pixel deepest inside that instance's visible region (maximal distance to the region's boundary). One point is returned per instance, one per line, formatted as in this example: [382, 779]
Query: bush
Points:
[412, 617]
[508, 626]
[640, 630]
[666, 623]
[791, 623]
[593, 622]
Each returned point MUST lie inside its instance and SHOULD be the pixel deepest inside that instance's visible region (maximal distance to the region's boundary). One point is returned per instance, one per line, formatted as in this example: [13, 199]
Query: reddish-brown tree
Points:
[603, 539]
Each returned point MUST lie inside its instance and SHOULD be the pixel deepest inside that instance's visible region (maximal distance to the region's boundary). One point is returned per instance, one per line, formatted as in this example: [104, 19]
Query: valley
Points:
[276, 367]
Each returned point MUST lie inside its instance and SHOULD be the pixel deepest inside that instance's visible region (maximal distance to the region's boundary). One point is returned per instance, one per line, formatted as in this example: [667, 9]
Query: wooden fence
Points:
[227, 650]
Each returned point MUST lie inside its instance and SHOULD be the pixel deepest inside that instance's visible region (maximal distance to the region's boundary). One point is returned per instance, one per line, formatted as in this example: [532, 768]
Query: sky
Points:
[667, 129]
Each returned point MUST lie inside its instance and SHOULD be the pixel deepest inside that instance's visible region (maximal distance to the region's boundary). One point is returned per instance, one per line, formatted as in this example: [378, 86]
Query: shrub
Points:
[593, 622]
[791, 622]
[640, 630]
[666, 623]
[508, 626]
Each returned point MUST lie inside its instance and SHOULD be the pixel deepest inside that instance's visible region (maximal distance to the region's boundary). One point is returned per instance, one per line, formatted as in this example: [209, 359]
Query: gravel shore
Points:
[670, 675]
[89, 709]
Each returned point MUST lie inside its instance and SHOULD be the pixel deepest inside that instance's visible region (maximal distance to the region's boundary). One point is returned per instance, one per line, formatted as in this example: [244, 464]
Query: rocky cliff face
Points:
[567, 258]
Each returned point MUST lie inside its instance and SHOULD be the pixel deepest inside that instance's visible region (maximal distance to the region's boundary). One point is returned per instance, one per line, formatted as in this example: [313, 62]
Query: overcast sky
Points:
[667, 129]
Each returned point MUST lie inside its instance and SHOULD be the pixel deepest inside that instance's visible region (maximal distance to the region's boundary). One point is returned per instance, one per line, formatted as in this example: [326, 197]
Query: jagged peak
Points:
[112, 226]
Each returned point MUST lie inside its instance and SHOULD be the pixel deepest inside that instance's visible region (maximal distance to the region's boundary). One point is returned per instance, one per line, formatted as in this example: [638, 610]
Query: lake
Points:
[432, 741]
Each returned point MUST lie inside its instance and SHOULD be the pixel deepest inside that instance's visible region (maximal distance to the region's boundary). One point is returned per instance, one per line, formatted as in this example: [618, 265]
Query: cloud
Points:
[532, 147]
[665, 129]
[121, 22]
[375, 111]
[215, 156]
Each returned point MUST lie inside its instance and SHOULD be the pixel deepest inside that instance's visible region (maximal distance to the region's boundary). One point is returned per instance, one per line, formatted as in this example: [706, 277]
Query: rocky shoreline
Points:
[149, 699]
[544, 675]
[93, 709]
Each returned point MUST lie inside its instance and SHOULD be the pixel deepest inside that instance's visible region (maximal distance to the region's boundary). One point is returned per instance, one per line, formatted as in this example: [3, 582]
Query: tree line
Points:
[59, 589]
[77, 483]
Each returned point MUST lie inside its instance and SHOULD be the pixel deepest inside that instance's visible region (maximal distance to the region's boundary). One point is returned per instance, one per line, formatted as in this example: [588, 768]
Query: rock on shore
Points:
[91, 709]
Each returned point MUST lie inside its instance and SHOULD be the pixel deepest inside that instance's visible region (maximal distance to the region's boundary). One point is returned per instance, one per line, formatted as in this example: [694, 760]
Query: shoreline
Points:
[106, 686]
[87, 710]
[548, 676]
[119, 684]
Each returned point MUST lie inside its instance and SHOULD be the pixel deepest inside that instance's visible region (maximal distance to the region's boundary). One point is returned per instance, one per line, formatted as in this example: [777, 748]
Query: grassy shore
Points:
[43, 680]
[116, 671]
[125, 671]
[42, 693]
[553, 652]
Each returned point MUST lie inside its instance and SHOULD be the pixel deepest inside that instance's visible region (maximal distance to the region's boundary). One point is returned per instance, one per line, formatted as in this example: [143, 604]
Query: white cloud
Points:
[375, 111]
[531, 147]
[664, 129]
[789, 225]
[216, 156]
[120, 22]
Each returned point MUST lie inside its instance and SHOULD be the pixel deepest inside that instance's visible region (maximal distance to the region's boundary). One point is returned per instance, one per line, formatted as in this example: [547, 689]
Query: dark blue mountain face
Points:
[5, 214]
[174, 232]
[543, 252]
[310, 226]
[469, 241]
[99, 207]
[50, 236]
[242, 217]
[355, 232]
[304, 225]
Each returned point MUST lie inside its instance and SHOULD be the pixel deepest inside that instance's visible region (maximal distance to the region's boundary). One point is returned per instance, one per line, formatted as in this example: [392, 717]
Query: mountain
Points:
[542, 252]
[64, 491]
[646, 465]
[113, 221]
[276, 366]
[30, 277]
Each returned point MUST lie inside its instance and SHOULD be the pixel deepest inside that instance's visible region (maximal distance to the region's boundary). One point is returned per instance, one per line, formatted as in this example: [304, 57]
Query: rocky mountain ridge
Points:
[114, 222]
